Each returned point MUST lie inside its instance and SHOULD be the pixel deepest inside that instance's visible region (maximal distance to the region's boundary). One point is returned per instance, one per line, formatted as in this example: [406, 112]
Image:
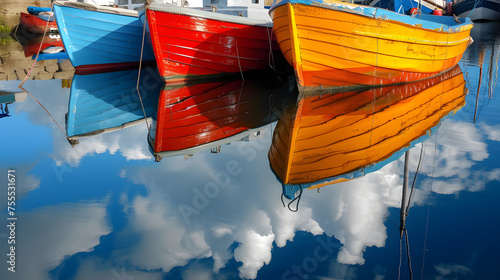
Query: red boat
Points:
[34, 24]
[32, 46]
[191, 42]
[201, 116]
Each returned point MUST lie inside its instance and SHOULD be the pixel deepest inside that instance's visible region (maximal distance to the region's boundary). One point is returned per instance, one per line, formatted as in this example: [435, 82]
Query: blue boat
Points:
[99, 38]
[109, 101]
[477, 9]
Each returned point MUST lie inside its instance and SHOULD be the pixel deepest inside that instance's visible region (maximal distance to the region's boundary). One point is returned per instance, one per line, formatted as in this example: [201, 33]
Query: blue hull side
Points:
[100, 38]
[106, 101]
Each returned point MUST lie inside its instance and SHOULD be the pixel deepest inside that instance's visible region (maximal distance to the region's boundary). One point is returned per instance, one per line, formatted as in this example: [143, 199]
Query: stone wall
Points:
[10, 10]
[15, 66]
[13, 63]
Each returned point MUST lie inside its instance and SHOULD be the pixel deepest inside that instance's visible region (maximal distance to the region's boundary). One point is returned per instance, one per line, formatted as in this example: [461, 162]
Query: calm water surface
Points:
[105, 209]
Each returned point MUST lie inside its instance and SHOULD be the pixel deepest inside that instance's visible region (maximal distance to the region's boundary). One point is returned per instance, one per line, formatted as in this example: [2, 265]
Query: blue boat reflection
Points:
[109, 101]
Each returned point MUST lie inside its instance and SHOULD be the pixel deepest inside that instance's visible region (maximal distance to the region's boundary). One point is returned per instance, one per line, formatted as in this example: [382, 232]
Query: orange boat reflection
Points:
[337, 137]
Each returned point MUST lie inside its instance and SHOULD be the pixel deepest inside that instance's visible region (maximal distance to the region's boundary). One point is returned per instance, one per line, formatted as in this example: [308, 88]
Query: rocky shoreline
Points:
[14, 65]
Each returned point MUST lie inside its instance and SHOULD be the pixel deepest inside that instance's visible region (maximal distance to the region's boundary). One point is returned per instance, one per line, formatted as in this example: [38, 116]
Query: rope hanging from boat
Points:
[415, 178]
[239, 97]
[475, 5]
[428, 210]
[36, 57]
[29, 73]
[271, 55]
[407, 243]
[238, 56]
[34, 98]
[290, 203]
[270, 103]
[139, 74]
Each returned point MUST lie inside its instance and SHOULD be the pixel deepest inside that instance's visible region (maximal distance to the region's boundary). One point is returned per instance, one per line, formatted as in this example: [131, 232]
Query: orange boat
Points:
[337, 137]
[34, 24]
[332, 43]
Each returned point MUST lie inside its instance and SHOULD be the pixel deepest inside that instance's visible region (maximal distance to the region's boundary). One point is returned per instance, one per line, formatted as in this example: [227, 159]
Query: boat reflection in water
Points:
[9, 97]
[204, 115]
[109, 101]
[336, 137]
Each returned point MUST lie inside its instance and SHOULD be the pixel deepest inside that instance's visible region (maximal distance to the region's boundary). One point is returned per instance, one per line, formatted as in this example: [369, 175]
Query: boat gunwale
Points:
[95, 8]
[419, 21]
[194, 12]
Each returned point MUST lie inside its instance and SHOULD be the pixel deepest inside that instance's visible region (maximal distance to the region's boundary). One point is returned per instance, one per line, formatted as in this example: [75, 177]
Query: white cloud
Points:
[341, 271]
[459, 146]
[250, 219]
[197, 273]
[47, 235]
[492, 132]
[165, 243]
[131, 142]
[450, 270]
[254, 251]
[24, 183]
[196, 209]
[101, 269]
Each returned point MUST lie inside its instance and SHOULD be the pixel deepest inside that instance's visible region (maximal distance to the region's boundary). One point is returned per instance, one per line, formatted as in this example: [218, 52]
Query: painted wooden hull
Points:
[339, 44]
[34, 24]
[192, 43]
[337, 137]
[109, 101]
[483, 10]
[101, 38]
[199, 116]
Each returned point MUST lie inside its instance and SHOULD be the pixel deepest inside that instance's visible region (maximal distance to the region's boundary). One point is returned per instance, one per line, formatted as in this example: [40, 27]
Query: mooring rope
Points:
[29, 73]
[238, 56]
[415, 178]
[473, 8]
[429, 208]
[297, 198]
[34, 98]
[139, 73]
[39, 49]
[270, 59]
